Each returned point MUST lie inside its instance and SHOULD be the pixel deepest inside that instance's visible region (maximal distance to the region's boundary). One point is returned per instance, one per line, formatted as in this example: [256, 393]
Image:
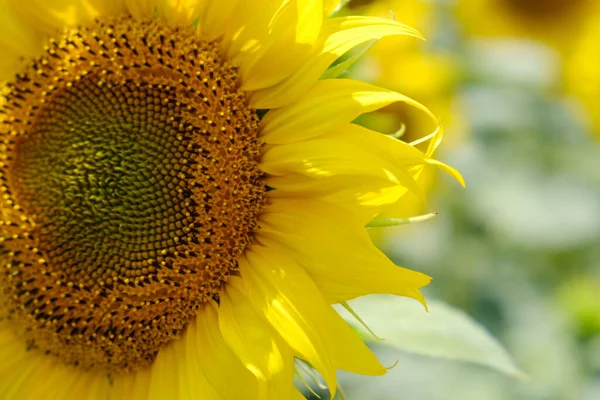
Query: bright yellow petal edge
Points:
[329, 178]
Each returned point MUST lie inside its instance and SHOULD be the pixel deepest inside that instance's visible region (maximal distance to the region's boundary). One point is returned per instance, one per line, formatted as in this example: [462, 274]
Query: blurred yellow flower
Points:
[569, 27]
[554, 22]
[582, 68]
[161, 237]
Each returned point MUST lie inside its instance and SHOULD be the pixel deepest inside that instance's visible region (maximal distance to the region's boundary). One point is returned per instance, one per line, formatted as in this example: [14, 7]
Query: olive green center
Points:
[108, 178]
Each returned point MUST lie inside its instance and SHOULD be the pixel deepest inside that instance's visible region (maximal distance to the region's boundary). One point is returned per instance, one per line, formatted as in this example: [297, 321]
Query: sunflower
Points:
[553, 22]
[184, 199]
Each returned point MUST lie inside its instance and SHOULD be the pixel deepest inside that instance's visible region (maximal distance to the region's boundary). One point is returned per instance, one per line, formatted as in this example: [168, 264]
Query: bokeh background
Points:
[517, 83]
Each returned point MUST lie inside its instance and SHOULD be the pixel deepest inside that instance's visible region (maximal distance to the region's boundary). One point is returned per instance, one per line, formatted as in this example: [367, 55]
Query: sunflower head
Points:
[157, 228]
[129, 188]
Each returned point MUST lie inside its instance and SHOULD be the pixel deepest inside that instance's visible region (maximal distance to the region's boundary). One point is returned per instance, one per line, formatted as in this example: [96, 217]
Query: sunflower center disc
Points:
[130, 180]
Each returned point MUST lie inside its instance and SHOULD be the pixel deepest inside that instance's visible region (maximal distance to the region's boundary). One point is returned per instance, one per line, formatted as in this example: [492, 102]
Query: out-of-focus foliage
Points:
[517, 83]
[570, 28]
[441, 332]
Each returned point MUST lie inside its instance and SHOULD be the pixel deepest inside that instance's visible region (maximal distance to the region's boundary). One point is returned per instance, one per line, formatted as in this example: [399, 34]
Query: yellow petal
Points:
[48, 17]
[16, 40]
[363, 196]
[292, 33]
[256, 343]
[200, 366]
[338, 35]
[74, 382]
[140, 9]
[83, 383]
[182, 12]
[334, 158]
[220, 364]
[193, 383]
[14, 380]
[164, 380]
[30, 374]
[287, 297]
[394, 150]
[98, 389]
[329, 103]
[12, 357]
[180, 369]
[248, 28]
[216, 17]
[336, 250]
[386, 199]
[132, 386]
[106, 7]
[350, 166]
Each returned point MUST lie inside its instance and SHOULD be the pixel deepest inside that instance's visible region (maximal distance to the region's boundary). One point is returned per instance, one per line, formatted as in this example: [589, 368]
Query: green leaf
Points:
[347, 60]
[443, 332]
[387, 222]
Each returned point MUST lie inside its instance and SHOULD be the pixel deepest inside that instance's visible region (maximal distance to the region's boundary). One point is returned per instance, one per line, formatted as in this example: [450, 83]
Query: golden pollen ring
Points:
[130, 187]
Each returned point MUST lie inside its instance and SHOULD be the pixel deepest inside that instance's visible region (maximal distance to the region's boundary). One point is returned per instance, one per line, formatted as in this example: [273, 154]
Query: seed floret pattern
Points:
[129, 187]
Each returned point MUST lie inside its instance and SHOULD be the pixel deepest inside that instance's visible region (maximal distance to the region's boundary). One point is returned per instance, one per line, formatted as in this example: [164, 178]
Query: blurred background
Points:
[517, 84]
